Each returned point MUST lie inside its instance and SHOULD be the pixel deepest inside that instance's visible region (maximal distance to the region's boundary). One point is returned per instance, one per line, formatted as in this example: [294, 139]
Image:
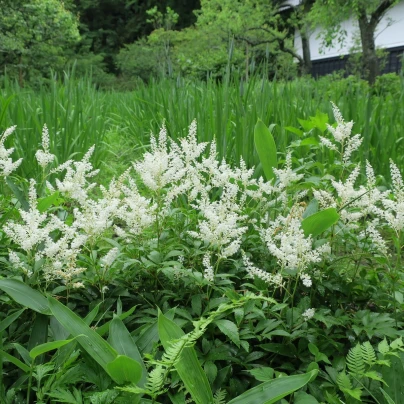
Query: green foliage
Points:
[35, 36]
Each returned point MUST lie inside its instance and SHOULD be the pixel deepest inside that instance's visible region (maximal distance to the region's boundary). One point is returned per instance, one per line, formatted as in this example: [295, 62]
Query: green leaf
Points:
[303, 398]
[91, 342]
[48, 346]
[311, 209]
[273, 390]
[10, 319]
[124, 369]
[18, 194]
[45, 203]
[294, 130]
[8, 358]
[266, 149]
[319, 222]
[25, 295]
[122, 341]
[188, 366]
[387, 397]
[229, 329]
[262, 374]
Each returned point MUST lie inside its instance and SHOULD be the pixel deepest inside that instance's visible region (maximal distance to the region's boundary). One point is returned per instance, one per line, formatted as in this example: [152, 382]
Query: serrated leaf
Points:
[383, 347]
[229, 329]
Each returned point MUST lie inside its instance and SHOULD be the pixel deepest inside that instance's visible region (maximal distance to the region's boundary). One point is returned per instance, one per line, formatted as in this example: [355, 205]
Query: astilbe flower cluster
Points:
[7, 166]
[228, 204]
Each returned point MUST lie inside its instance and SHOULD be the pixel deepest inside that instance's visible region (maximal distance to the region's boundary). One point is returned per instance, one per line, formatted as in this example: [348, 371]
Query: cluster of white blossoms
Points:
[342, 135]
[285, 240]
[228, 203]
[7, 166]
[308, 314]
[44, 157]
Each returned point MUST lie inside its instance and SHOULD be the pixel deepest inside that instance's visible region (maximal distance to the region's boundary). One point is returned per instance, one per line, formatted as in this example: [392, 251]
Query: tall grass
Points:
[80, 116]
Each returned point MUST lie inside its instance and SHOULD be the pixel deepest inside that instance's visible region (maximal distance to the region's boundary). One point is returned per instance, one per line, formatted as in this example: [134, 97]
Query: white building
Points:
[389, 36]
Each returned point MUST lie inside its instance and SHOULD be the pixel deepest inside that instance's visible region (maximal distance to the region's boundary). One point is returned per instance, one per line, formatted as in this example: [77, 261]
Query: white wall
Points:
[386, 36]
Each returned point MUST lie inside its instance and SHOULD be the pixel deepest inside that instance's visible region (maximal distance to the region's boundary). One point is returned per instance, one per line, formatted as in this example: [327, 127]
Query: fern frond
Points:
[344, 382]
[355, 362]
[368, 353]
[219, 397]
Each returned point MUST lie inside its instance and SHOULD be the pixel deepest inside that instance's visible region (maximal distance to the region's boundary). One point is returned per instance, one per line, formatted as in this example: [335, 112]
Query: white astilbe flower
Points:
[135, 210]
[220, 226]
[286, 175]
[306, 280]
[394, 206]
[6, 163]
[253, 271]
[44, 157]
[343, 130]
[286, 241]
[110, 257]
[342, 135]
[35, 228]
[308, 314]
[159, 167]
[209, 272]
[75, 182]
[377, 242]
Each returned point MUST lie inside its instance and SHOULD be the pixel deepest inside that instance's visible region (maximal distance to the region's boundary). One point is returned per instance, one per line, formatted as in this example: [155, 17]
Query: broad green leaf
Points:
[319, 222]
[394, 376]
[121, 340]
[303, 398]
[10, 319]
[91, 342]
[266, 149]
[46, 202]
[188, 366]
[7, 357]
[25, 295]
[105, 327]
[48, 346]
[273, 390]
[124, 370]
[262, 374]
[229, 329]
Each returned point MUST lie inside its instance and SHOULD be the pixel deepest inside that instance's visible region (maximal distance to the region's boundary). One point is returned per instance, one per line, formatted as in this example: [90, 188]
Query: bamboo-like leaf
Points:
[266, 149]
[91, 342]
[319, 222]
[122, 341]
[10, 319]
[46, 202]
[188, 366]
[48, 346]
[124, 370]
[7, 357]
[273, 390]
[25, 295]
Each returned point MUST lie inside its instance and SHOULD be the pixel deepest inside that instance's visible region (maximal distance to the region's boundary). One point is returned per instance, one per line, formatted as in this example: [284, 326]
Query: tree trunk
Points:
[370, 61]
[307, 65]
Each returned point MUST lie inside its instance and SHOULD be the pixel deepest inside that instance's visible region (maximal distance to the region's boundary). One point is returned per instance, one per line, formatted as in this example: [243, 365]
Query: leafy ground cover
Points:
[191, 278]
